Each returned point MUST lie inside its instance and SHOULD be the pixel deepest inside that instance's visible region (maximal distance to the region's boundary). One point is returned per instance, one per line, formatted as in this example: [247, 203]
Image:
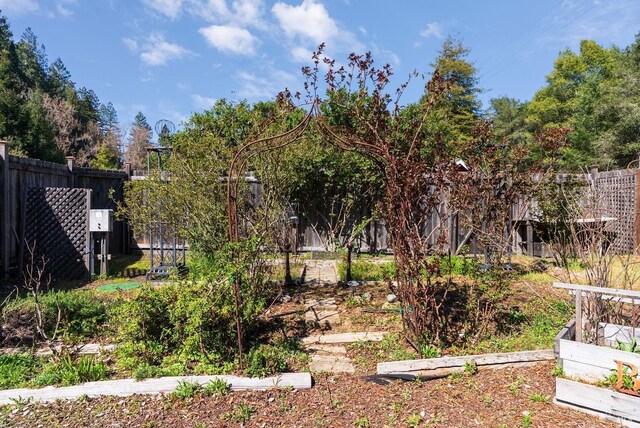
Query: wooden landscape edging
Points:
[620, 408]
[438, 367]
[125, 387]
[592, 362]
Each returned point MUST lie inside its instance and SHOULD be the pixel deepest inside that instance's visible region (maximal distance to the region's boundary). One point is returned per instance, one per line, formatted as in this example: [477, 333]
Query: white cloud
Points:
[19, 6]
[433, 29]
[169, 8]
[231, 39]
[131, 44]
[155, 50]
[248, 12]
[605, 21]
[309, 24]
[241, 13]
[64, 7]
[202, 101]
[301, 54]
[268, 84]
[210, 10]
[309, 20]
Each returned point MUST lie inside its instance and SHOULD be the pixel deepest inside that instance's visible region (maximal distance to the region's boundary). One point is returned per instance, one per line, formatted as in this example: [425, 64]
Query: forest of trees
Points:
[594, 91]
[46, 116]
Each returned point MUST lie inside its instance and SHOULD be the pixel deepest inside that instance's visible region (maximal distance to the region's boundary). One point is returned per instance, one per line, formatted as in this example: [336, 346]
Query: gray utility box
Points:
[101, 221]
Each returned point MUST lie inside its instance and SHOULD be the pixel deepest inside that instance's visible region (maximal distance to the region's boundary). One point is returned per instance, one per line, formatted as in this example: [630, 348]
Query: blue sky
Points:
[169, 58]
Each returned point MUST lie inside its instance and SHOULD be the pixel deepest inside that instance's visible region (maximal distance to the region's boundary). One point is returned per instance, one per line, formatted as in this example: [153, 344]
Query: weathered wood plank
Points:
[611, 333]
[479, 360]
[125, 387]
[621, 408]
[600, 290]
[592, 362]
[568, 332]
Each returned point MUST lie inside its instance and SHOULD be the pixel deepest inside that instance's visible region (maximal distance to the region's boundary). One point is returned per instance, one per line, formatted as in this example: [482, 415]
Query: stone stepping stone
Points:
[331, 364]
[372, 336]
[323, 317]
[319, 349]
[323, 312]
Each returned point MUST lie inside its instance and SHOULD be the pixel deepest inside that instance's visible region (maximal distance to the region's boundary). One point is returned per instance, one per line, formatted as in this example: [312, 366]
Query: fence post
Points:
[126, 232]
[5, 224]
[578, 315]
[72, 176]
[636, 240]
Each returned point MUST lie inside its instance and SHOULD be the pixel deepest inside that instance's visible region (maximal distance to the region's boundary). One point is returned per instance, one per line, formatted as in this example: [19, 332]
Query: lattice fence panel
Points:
[57, 220]
[617, 193]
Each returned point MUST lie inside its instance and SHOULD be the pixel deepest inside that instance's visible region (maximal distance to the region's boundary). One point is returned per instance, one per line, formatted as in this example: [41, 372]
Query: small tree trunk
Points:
[349, 248]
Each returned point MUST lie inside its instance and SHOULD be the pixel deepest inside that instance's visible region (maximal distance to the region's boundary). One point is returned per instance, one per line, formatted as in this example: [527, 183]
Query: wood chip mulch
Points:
[491, 398]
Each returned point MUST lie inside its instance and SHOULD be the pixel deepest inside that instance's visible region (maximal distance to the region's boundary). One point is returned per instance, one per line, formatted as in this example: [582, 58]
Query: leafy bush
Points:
[192, 321]
[266, 360]
[81, 314]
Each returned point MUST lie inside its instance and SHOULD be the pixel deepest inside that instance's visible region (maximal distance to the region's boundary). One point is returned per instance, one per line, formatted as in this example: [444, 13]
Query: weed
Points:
[429, 351]
[217, 388]
[145, 371]
[538, 398]
[186, 389]
[16, 370]
[514, 387]
[361, 422]
[414, 420]
[71, 372]
[526, 419]
[406, 395]
[456, 376]
[21, 402]
[470, 367]
[242, 412]
[557, 371]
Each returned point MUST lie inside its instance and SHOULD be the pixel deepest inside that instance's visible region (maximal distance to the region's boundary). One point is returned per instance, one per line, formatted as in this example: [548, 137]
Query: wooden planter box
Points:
[593, 363]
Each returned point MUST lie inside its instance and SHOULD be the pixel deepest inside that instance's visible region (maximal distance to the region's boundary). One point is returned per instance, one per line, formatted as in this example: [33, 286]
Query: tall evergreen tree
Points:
[139, 139]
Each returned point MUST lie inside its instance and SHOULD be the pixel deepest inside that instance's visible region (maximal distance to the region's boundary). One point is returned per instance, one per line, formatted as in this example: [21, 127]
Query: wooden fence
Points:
[613, 194]
[18, 174]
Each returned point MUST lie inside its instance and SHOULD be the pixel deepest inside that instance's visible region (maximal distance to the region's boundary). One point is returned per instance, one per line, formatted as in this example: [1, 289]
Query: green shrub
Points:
[17, 370]
[82, 316]
[192, 321]
[146, 371]
[266, 360]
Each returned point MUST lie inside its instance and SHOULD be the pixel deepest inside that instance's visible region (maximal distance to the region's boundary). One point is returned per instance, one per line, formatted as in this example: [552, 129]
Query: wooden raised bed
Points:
[583, 362]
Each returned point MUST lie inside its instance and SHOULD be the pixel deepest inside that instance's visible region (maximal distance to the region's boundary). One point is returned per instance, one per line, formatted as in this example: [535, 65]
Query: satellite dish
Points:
[165, 127]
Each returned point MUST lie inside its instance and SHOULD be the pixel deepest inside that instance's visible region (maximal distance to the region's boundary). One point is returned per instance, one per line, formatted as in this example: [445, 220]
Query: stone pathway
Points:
[328, 353]
[321, 272]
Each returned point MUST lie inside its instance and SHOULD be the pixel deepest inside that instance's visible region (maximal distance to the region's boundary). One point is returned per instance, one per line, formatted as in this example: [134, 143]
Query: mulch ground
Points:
[490, 398]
